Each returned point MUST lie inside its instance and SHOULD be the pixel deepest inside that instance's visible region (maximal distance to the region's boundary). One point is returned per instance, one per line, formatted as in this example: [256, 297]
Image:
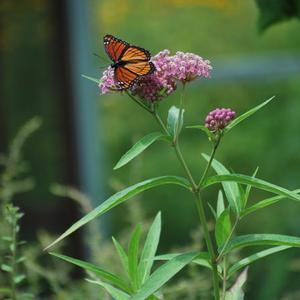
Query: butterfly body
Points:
[130, 63]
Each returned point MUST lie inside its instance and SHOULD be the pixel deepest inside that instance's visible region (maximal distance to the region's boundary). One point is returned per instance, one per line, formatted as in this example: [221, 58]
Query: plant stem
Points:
[195, 191]
[200, 209]
[212, 155]
[209, 244]
[141, 104]
[160, 122]
[224, 278]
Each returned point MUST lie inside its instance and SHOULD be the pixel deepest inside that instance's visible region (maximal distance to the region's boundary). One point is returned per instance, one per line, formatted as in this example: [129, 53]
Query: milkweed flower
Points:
[107, 81]
[182, 67]
[187, 66]
[219, 118]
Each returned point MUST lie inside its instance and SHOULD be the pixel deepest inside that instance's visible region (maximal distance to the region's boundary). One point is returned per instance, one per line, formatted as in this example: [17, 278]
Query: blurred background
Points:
[254, 49]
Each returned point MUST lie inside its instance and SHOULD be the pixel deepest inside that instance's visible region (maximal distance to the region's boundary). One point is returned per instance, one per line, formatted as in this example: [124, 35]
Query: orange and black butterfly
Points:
[130, 63]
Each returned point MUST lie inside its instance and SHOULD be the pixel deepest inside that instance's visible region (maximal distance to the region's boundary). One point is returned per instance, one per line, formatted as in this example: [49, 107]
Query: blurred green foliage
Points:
[272, 12]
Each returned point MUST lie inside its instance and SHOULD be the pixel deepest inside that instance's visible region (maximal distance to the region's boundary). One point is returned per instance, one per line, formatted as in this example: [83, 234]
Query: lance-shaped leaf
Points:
[220, 203]
[202, 259]
[139, 147]
[104, 275]
[149, 250]
[254, 257]
[261, 239]
[173, 119]
[255, 182]
[204, 129]
[231, 189]
[264, 203]
[133, 250]
[163, 274]
[92, 79]
[122, 255]
[223, 227]
[111, 290]
[248, 190]
[247, 115]
[121, 197]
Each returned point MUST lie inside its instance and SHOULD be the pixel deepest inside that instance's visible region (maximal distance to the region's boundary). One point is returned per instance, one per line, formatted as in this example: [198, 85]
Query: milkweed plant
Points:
[173, 74]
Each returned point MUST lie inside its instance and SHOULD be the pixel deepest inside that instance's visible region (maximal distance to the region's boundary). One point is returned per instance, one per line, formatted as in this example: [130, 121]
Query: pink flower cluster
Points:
[182, 67]
[219, 118]
[107, 81]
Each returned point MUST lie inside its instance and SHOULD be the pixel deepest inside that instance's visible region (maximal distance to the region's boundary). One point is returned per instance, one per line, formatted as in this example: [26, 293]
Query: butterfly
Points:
[130, 63]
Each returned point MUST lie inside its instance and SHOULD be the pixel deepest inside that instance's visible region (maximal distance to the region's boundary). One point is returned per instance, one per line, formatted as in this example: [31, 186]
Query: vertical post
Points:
[84, 94]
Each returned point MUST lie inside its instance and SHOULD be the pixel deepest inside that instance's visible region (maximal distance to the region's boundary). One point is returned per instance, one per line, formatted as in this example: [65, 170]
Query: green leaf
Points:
[209, 134]
[133, 250]
[220, 204]
[121, 197]
[114, 292]
[138, 148]
[202, 259]
[246, 115]
[122, 255]
[163, 274]
[254, 257]
[258, 183]
[248, 190]
[231, 189]
[119, 282]
[149, 249]
[6, 268]
[272, 12]
[236, 292]
[261, 239]
[173, 119]
[92, 79]
[264, 203]
[19, 278]
[223, 227]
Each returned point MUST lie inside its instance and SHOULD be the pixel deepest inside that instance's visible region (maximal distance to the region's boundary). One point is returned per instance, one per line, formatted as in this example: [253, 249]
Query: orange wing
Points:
[134, 54]
[114, 47]
[125, 78]
[141, 68]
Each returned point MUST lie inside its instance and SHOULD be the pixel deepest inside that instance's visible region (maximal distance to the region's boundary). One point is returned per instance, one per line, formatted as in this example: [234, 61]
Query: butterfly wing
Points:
[114, 47]
[135, 54]
[125, 78]
[132, 62]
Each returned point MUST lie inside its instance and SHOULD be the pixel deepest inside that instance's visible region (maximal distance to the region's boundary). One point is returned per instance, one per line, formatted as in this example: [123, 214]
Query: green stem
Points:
[212, 155]
[210, 248]
[195, 191]
[200, 208]
[141, 104]
[160, 122]
[224, 278]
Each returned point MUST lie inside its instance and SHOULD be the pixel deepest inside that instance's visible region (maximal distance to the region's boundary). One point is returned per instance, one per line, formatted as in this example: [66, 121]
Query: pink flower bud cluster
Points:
[182, 66]
[219, 118]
